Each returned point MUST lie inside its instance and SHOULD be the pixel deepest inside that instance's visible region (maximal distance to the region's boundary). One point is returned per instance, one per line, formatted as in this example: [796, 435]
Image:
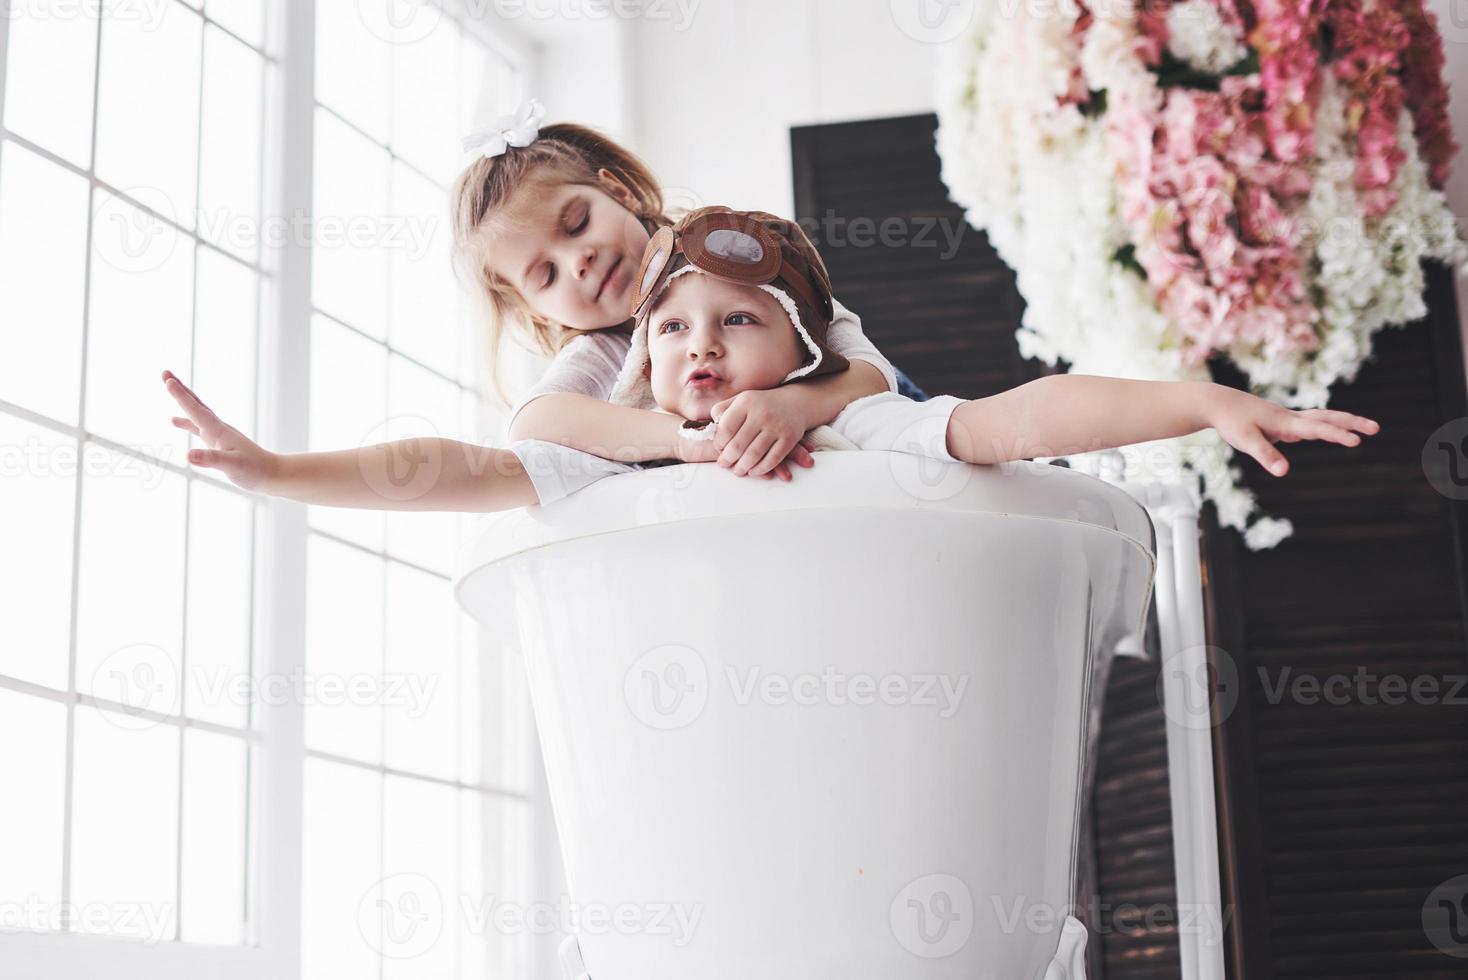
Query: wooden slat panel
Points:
[1348, 814]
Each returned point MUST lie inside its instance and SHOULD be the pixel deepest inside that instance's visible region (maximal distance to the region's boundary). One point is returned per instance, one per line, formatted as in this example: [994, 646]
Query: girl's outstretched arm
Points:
[1074, 413]
[410, 474]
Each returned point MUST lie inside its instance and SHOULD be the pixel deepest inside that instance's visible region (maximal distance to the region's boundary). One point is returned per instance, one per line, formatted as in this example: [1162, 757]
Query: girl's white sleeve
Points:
[588, 365]
[845, 338]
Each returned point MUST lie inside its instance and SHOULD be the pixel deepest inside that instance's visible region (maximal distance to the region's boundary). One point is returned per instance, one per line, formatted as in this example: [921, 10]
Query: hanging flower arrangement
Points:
[1177, 181]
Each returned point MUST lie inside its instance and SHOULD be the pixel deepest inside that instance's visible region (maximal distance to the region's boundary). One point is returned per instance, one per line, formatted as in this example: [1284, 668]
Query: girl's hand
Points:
[1253, 425]
[242, 461]
[760, 431]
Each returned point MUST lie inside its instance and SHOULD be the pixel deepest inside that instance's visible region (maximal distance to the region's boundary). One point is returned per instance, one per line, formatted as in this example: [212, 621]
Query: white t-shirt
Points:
[885, 420]
[589, 365]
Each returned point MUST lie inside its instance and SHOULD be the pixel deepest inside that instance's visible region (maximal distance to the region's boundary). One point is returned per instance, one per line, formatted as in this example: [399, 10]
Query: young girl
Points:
[551, 225]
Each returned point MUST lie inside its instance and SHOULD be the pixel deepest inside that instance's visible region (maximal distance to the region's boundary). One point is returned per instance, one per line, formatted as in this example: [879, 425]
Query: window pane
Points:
[421, 710]
[425, 126]
[224, 339]
[141, 308]
[220, 572]
[229, 168]
[30, 834]
[213, 902]
[50, 70]
[37, 498]
[343, 651]
[340, 925]
[352, 64]
[350, 200]
[43, 254]
[148, 115]
[244, 17]
[425, 292]
[420, 826]
[424, 405]
[130, 593]
[348, 404]
[125, 827]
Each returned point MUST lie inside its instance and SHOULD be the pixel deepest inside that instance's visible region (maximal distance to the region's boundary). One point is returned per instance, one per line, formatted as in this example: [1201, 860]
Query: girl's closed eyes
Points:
[574, 220]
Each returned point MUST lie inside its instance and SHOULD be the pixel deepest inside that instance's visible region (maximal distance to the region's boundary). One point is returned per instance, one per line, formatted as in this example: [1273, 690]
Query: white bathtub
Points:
[845, 815]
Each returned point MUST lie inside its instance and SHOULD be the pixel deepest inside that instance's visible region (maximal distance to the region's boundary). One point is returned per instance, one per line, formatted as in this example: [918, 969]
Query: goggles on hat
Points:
[730, 246]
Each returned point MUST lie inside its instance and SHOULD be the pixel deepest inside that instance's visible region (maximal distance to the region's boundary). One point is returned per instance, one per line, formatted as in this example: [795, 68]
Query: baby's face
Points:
[708, 340]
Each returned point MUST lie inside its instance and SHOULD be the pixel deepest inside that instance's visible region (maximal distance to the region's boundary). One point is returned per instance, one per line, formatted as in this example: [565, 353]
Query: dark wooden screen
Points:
[948, 321]
[1341, 818]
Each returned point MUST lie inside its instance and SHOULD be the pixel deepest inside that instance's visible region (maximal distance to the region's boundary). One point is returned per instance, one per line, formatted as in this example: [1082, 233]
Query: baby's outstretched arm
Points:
[1075, 413]
[384, 476]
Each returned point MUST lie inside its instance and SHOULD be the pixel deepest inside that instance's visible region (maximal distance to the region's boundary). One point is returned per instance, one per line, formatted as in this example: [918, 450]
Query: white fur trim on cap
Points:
[633, 388]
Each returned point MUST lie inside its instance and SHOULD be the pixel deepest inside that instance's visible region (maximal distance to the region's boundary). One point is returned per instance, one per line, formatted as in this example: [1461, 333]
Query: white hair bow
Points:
[517, 129]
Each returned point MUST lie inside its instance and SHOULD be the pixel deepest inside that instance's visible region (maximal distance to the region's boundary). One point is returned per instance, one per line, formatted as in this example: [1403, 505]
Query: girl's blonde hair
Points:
[569, 154]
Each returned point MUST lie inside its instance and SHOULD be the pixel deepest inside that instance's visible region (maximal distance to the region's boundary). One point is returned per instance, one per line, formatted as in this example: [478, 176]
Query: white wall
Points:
[716, 93]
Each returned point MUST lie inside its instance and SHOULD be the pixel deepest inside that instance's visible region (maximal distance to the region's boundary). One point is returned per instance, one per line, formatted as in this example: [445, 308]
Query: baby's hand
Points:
[242, 461]
[707, 451]
[1252, 425]
[760, 431]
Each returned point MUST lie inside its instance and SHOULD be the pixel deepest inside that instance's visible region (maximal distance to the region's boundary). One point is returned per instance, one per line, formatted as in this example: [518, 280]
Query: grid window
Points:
[127, 582]
[136, 234]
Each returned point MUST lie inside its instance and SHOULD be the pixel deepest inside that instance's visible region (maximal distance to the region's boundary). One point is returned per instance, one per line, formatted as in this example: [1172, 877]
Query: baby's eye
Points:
[580, 226]
[738, 319]
[549, 277]
[671, 325]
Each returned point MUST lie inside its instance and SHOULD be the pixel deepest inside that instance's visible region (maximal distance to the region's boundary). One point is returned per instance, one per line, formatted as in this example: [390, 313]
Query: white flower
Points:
[1198, 35]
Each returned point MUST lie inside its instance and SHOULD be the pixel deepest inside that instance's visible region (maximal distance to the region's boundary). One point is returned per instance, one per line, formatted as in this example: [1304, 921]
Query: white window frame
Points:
[275, 795]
